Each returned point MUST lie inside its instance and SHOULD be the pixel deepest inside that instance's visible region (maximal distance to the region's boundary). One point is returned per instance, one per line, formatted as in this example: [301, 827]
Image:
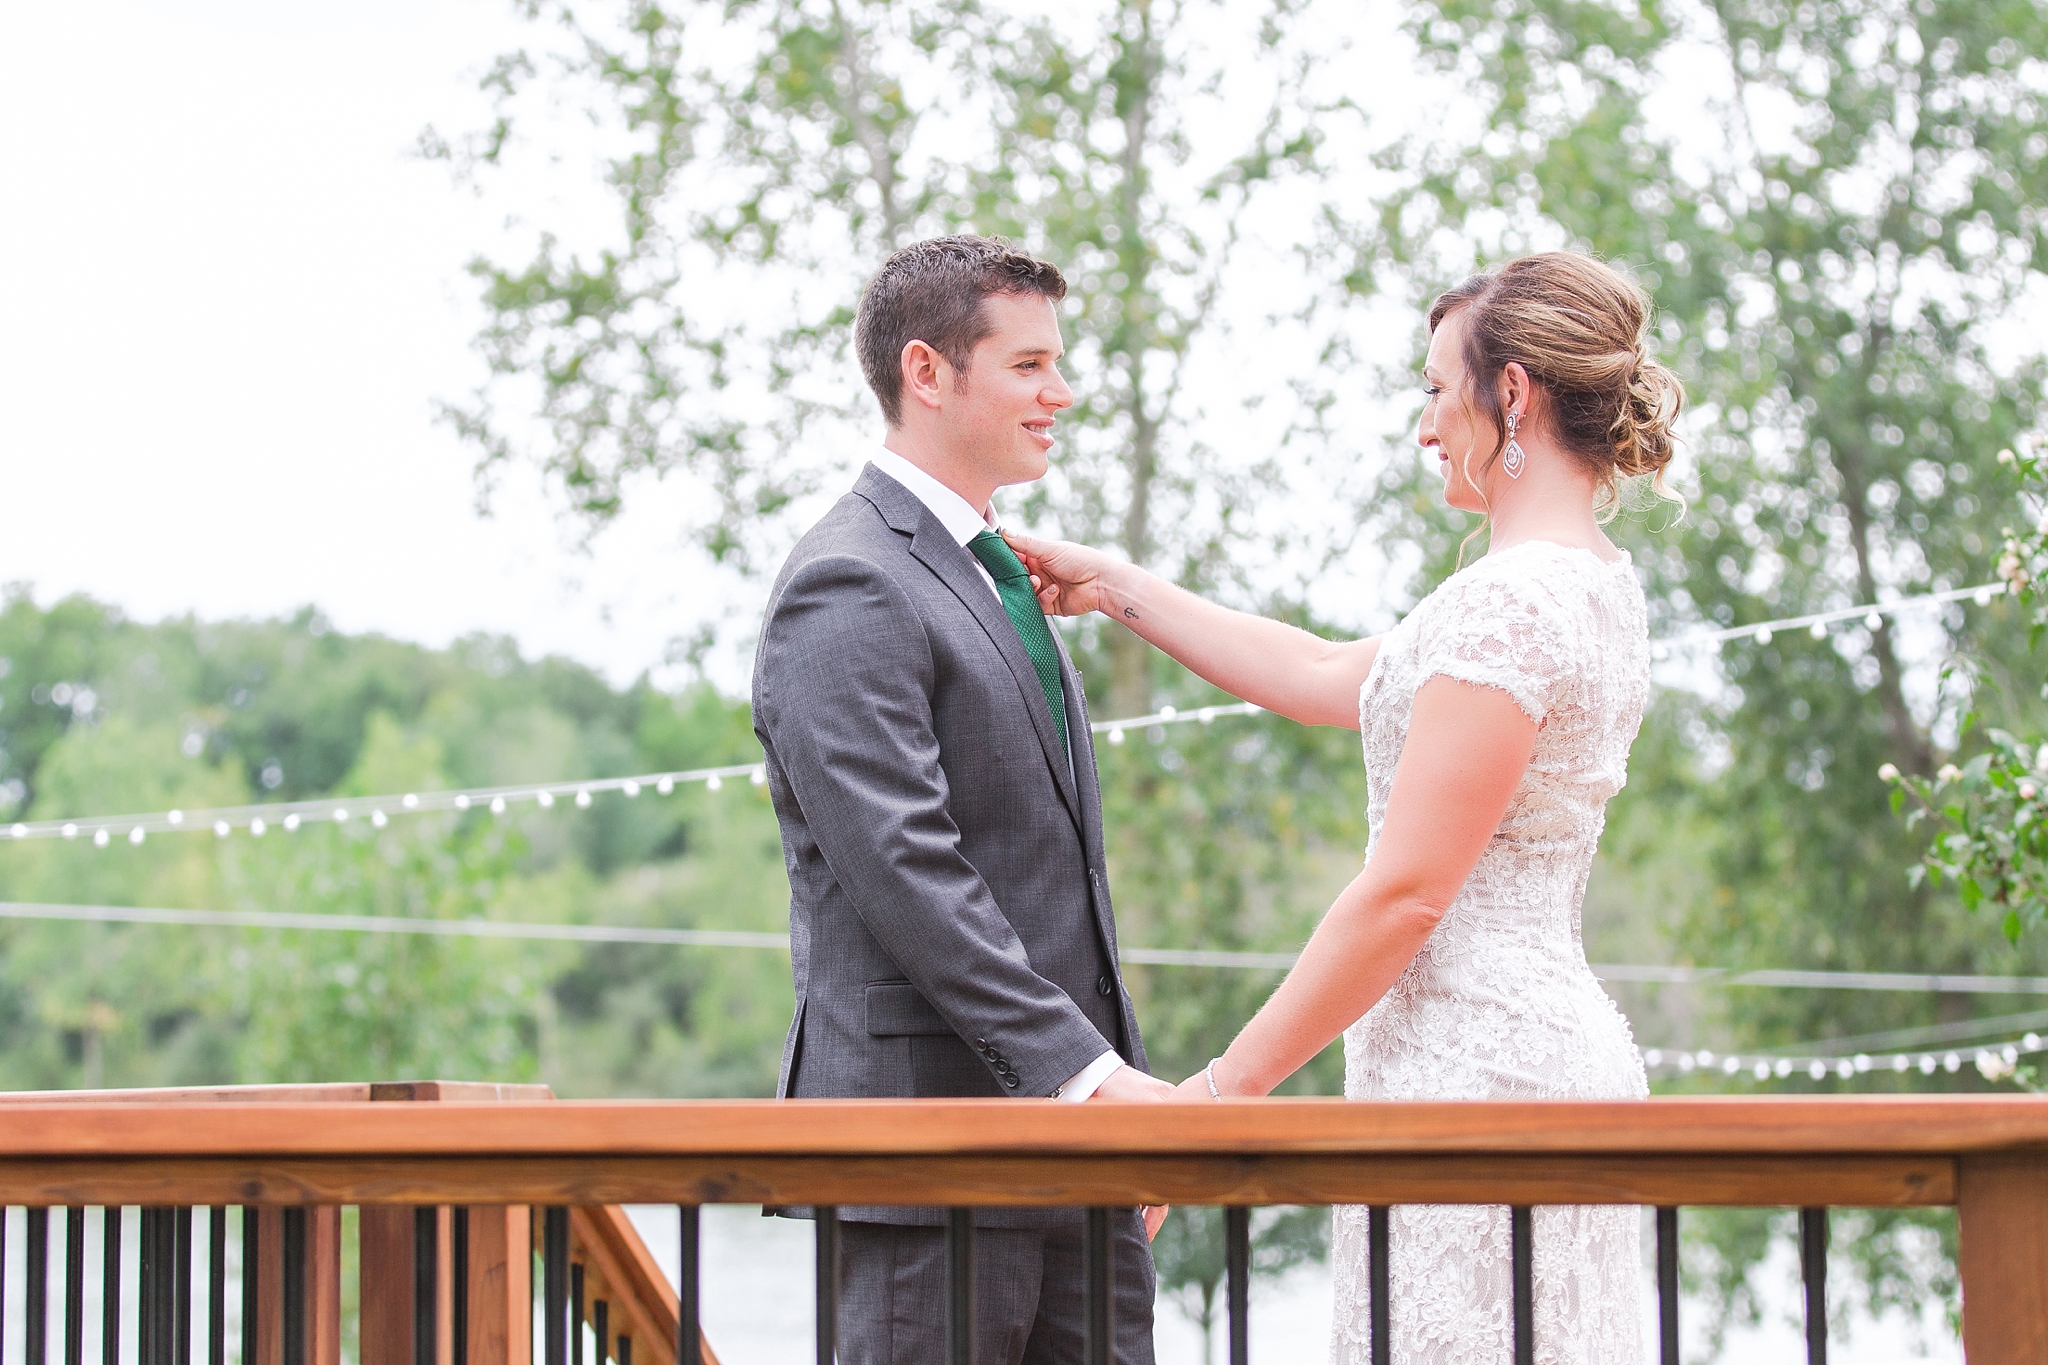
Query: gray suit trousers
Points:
[1027, 1283]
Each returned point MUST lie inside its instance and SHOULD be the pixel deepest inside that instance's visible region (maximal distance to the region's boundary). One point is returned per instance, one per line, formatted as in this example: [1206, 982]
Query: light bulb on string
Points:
[1763, 635]
[410, 801]
[20, 831]
[99, 838]
[71, 831]
[1782, 1067]
[759, 777]
[630, 788]
[1983, 598]
[712, 784]
[1817, 1070]
[1818, 630]
[583, 799]
[1927, 1064]
[1116, 736]
[462, 801]
[1167, 713]
[1952, 1063]
[291, 822]
[340, 815]
[256, 827]
[497, 805]
[136, 836]
[378, 819]
[665, 786]
[546, 799]
[221, 829]
[1873, 621]
[176, 817]
[1762, 1071]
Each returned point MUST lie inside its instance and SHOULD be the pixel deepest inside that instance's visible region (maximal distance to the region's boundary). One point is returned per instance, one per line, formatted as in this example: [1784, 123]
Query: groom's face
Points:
[1000, 413]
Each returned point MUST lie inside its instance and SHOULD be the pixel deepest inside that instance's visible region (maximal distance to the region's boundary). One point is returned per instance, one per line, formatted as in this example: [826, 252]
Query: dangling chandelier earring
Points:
[1515, 457]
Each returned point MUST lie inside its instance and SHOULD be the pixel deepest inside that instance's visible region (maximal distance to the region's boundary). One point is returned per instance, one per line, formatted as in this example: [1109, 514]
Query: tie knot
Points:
[997, 557]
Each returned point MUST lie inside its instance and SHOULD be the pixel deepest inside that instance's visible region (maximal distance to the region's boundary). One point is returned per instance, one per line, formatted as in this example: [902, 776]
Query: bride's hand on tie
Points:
[1068, 578]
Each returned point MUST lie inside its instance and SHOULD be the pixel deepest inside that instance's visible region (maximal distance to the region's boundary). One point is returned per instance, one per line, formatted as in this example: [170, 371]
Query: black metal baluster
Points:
[36, 1322]
[1237, 1268]
[1380, 1270]
[110, 1285]
[458, 1276]
[181, 1293]
[148, 1258]
[1521, 1236]
[217, 1285]
[576, 1313]
[826, 1230]
[1098, 1292]
[689, 1283]
[74, 1286]
[625, 1349]
[426, 1284]
[252, 1279]
[554, 1251]
[293, 1327]
[1667, 1286]
[601, 1326]
[959, 1287]
[1813, 1263]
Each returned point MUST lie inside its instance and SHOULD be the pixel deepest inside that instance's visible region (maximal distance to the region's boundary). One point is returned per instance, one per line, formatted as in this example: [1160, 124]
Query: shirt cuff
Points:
[1090, 1078]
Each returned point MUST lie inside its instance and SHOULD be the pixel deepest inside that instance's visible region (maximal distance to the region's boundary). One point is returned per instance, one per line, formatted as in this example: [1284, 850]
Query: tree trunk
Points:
[1130, 659]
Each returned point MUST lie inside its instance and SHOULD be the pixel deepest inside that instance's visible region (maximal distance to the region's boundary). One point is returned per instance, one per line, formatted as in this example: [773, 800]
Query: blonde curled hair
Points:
[1580, 329]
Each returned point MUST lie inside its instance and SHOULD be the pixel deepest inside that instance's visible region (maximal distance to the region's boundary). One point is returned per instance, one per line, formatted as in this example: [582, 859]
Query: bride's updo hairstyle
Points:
[1578, 326]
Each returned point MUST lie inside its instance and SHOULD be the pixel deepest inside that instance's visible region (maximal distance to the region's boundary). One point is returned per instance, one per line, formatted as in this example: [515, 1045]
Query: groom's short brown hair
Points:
[932, 292]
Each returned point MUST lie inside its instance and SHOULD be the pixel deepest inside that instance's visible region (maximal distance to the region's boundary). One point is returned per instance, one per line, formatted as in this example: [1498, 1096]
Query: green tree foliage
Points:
[100, 715]
[1991, 841]
[761, 158]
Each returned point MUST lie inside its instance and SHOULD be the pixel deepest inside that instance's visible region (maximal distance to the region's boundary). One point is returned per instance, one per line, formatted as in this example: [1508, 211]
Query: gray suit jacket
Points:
[950, 925]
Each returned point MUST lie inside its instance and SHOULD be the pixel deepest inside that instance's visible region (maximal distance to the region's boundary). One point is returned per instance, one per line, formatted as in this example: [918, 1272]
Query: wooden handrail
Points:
[1872, 1151]
[1875, 1125]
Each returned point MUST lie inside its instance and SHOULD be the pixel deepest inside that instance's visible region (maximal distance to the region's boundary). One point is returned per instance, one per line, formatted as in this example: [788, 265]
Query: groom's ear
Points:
[924, 374]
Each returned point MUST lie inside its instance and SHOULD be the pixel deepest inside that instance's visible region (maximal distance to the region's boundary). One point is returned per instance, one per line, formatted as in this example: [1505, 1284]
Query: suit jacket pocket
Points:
[896, 1009]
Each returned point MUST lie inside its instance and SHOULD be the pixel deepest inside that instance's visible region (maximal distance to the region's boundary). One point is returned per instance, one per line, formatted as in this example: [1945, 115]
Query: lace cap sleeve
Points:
[1497, 627]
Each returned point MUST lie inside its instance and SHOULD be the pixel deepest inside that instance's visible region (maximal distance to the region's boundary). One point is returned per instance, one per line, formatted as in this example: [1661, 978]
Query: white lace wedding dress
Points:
[1500, 1002]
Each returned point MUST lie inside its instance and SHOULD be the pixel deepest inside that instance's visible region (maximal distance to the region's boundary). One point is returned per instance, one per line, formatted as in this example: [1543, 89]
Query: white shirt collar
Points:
[954, 512]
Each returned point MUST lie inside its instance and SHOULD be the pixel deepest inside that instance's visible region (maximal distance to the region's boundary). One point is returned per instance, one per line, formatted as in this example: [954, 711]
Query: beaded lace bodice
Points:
[1500, 1002]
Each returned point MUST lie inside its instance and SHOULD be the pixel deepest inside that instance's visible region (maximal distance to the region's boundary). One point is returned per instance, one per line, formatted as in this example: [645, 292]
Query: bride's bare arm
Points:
[1467, 748]
[1278, 666]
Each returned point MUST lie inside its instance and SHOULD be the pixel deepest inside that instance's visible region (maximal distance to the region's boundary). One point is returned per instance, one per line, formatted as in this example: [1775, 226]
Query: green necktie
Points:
[1020, 604]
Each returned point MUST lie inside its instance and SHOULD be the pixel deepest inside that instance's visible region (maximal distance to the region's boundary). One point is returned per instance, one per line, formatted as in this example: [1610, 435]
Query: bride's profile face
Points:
[1448, 428]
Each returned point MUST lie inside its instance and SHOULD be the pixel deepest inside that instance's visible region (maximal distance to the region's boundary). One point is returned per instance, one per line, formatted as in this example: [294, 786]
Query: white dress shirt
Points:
[963, 523]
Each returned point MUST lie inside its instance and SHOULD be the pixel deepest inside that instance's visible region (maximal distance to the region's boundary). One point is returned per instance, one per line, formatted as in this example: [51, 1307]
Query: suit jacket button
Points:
[1010, 1081]
[981, 1042]
[1103, 985]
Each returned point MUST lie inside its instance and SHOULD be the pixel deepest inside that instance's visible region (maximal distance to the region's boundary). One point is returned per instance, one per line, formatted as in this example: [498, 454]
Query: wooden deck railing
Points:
[474, 1306]
[1988, 1156]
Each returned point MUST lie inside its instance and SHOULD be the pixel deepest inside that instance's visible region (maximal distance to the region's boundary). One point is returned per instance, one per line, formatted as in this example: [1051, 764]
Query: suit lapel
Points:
[932, 546]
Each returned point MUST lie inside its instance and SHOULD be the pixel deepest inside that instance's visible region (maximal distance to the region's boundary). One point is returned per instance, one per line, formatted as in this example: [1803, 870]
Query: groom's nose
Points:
[1056, 394]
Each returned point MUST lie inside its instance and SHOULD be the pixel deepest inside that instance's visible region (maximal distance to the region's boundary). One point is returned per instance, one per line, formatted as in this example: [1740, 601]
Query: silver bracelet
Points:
[1209, 1075]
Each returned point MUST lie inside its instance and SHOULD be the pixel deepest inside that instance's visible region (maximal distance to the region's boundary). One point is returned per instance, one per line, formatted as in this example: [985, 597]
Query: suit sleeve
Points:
[845, 684]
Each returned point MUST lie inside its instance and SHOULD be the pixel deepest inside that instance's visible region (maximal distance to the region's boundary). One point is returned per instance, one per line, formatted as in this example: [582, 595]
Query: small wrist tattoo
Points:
[1130, 613]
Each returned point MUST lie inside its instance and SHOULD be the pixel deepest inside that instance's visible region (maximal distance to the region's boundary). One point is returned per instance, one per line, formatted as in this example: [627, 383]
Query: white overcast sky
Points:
[230, 296]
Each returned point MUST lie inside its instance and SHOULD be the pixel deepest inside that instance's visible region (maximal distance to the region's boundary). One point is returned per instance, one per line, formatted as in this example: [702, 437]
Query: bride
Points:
[1497, 719]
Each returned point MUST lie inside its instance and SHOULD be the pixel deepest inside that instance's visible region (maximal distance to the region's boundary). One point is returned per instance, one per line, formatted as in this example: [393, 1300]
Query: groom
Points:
[929, 756]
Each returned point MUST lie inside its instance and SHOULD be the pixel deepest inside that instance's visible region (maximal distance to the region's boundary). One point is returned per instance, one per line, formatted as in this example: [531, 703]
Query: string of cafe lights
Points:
[259, 819]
